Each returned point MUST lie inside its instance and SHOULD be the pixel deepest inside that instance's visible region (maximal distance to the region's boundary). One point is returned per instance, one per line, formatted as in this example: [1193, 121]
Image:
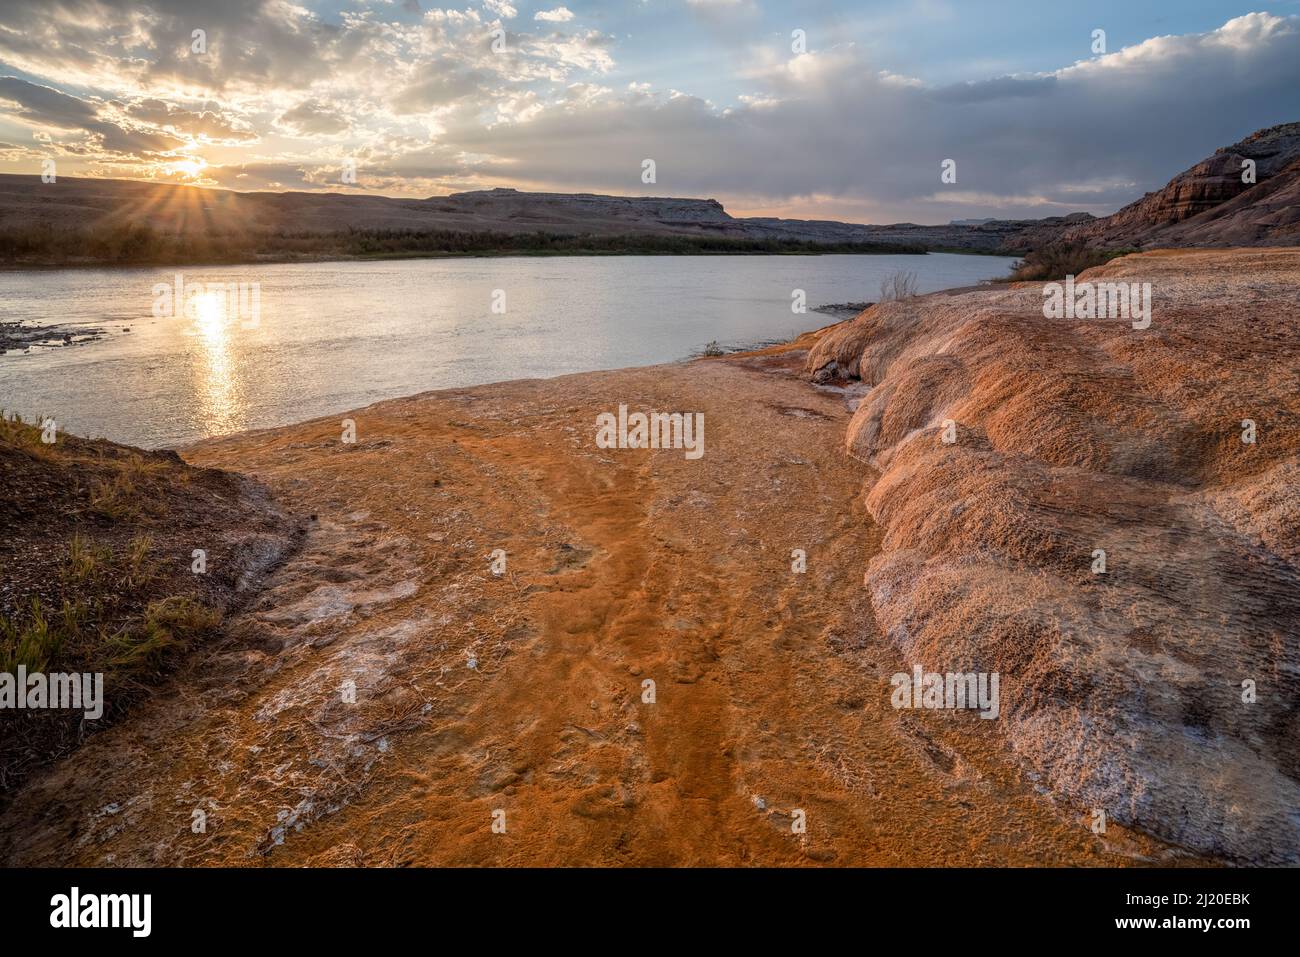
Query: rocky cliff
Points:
[1211, 204]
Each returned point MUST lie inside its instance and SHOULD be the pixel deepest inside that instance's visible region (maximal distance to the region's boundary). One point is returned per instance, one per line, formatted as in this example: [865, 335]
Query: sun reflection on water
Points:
[220, 403]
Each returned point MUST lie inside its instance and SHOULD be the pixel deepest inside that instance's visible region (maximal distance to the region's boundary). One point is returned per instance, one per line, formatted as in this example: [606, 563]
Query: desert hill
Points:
[72, 203]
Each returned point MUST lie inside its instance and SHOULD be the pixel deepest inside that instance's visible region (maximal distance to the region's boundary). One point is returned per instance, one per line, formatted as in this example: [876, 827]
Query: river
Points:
[281, 343]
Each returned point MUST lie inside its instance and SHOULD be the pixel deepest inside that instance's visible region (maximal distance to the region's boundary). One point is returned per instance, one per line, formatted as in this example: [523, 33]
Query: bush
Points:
[901, 285]
[1057, 261]
[170, 623]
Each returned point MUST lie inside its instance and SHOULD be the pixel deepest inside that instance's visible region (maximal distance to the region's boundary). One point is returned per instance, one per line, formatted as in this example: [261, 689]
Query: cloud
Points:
[313, 118]
[46, 105]
[425, 102]
[500, 8]
[210, 123]
[833, 125]
[145, 47]
[251, 176]
[44, 108]
[439, 84]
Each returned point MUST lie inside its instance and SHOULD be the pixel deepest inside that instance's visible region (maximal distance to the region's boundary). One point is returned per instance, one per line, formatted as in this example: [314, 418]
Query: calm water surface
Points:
[336, 336]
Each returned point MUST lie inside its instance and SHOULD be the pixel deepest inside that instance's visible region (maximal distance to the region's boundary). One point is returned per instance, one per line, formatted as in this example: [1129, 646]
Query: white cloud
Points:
[501, 8]
[558, 15]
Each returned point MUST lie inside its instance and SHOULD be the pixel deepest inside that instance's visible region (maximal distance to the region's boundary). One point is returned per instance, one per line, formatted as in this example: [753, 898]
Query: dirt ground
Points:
[518, 700]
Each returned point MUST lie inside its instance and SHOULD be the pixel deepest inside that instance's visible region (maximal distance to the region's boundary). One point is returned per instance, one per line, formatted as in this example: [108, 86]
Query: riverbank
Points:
[114, 562]
[138, 244]
[525, 693]
[124, 221]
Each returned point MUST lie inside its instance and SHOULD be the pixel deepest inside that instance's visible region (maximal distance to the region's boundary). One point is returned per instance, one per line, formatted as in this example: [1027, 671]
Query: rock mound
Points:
[1123, 689]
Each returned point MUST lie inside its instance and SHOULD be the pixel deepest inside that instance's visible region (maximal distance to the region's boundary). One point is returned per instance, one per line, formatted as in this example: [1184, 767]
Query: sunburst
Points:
[191, 167]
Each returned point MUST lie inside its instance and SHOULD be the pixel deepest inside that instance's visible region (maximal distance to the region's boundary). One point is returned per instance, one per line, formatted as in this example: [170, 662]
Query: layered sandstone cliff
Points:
[1218, 202]
[1130, 690]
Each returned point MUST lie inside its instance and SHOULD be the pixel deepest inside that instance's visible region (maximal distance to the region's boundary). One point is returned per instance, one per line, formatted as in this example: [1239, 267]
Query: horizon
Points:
[797, 113]
[329, 190]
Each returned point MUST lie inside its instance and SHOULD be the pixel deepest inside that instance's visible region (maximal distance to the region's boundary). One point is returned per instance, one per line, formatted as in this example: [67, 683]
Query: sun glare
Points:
[210, 315]
[216, 373]
[190, 167]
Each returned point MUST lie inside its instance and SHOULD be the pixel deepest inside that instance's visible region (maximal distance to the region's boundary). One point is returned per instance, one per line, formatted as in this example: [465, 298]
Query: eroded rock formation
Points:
[1123, 689]
[1212, 204]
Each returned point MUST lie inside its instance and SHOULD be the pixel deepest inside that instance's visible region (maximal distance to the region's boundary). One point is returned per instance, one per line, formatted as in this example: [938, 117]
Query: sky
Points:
[816, 110]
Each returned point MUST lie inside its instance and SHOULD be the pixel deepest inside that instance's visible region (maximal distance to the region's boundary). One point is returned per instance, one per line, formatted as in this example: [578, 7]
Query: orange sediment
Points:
[771, 687]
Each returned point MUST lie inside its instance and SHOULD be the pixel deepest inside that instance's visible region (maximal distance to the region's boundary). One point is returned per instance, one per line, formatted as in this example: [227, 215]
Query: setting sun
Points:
[190, 167]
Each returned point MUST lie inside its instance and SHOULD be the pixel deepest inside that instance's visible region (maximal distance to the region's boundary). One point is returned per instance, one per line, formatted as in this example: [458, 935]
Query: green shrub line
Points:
[139, 244]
